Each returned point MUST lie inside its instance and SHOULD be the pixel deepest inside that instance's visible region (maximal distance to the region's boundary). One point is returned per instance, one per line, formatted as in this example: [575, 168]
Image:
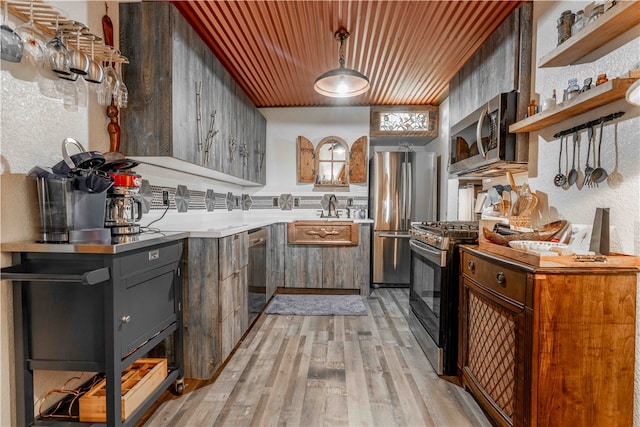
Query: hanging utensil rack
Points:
[80, 38]
[589, 124]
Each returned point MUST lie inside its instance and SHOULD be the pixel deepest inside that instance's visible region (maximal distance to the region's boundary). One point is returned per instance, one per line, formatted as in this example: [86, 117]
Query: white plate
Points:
[535, 246]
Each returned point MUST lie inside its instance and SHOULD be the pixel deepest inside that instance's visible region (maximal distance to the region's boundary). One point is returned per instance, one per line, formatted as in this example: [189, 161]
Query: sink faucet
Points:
[333, 201]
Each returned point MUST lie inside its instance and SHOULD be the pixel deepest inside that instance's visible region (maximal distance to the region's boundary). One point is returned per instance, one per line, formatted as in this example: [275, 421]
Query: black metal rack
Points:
[589, 124]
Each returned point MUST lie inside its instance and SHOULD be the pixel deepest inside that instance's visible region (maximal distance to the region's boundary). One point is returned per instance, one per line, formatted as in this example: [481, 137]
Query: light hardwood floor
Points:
[327, 371]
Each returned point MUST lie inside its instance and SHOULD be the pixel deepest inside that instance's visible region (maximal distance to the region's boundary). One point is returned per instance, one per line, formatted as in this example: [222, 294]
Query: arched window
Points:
[332, 162]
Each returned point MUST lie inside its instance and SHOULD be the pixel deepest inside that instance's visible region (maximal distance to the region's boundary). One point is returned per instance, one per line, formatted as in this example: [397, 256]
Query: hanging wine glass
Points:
[33, 47]
[101, 92]
[81, 92]
[122, 96]
[112, 81]
[79, 62]
[95, 74]
[72, 76]
[70, 95]
[11, 47]
[57, 54]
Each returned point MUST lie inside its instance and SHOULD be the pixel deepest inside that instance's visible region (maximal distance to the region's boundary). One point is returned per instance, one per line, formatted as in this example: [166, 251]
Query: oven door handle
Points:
[434, 255]
[395, 235]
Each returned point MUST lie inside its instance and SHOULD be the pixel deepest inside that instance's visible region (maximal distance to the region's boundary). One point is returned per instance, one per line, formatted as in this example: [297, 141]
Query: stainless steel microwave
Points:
[481, 144]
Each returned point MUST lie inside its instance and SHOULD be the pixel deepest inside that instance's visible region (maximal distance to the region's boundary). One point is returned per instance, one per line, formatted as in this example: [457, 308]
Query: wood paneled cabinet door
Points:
[332, 163]
[547, 347]
[501, 64]
[303, 266]
[233, 252]
[185, 109]
[200, 295]
[275, 257]
[492, 351]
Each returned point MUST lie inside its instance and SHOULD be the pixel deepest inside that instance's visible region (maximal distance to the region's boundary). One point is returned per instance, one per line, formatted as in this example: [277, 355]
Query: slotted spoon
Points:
[560, 179]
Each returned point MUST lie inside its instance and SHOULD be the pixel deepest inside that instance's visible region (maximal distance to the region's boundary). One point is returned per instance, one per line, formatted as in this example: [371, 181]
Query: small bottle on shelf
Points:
[549, 102]
[602, 78]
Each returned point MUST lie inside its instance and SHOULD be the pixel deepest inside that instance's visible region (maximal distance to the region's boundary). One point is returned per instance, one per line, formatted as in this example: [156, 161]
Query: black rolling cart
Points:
[96, 308]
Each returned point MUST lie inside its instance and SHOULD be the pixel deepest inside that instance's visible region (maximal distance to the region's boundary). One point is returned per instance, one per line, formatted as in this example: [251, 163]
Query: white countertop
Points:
[180, 225]
[225, 223]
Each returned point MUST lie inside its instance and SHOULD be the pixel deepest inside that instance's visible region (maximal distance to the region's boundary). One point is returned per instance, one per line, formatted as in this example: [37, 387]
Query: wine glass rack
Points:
[78, 36]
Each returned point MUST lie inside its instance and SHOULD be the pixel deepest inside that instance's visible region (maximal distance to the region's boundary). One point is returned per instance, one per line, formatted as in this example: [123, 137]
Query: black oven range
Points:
[433, 314]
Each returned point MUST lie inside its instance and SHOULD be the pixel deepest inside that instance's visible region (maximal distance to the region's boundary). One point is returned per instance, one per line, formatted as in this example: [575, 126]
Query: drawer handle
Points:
[471, 266]
[501, 278]
[153, 255]
[126, 319]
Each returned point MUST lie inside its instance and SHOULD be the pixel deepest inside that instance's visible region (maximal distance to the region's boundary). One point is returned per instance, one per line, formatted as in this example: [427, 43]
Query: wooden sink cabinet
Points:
[547, 346]
[328, 255]
[322, 232]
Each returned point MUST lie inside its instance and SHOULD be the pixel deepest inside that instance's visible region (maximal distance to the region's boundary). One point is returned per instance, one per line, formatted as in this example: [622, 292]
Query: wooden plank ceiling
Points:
[409, 50]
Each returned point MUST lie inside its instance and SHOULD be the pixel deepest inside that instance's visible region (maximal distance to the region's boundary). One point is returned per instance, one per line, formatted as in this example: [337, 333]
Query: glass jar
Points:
[580, 22]
[596, 12]
[565, 22]
[573, 89]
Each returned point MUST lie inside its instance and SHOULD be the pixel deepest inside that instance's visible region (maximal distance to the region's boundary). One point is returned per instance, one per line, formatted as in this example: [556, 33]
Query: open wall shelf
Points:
[614, 22]
[606, 93]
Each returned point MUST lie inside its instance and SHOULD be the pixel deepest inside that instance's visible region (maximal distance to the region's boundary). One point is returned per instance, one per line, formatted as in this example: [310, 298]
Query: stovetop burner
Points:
[443, 234]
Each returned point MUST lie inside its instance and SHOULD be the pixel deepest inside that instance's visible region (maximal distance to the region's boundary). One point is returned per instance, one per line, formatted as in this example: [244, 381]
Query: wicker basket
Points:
[520, 221]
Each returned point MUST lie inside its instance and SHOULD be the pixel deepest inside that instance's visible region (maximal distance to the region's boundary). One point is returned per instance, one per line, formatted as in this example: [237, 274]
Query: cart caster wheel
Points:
[179, 387]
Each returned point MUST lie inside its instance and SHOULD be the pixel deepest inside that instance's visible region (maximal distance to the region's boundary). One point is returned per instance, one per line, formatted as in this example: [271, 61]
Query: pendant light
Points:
[341, 82]
[633, 93]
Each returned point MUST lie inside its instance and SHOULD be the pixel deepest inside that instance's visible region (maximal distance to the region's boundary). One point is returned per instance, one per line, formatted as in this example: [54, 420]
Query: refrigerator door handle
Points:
[403, 194]
[408, 191]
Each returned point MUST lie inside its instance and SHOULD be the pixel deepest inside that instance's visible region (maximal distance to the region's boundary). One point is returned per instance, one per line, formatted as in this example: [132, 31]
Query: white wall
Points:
[33, 127]
[349, 123]
[578, 206]
[284, 125]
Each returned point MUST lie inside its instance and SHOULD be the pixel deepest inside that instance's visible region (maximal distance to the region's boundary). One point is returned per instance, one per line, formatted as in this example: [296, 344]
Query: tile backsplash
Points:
[205, 200]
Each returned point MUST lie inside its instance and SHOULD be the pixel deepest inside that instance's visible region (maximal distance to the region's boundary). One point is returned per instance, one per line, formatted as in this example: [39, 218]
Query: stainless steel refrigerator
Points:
[402, 190]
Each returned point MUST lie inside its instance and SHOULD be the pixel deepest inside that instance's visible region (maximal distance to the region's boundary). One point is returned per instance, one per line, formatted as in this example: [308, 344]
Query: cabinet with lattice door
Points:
[547, 346]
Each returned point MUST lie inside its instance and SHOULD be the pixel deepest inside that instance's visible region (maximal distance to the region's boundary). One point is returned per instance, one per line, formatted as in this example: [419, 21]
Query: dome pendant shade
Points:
[633, 93]
[341, 82]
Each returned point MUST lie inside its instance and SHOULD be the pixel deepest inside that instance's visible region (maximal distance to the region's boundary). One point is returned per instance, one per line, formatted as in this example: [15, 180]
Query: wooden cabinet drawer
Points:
[233, 253]
[322, 233]
[505, 281]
